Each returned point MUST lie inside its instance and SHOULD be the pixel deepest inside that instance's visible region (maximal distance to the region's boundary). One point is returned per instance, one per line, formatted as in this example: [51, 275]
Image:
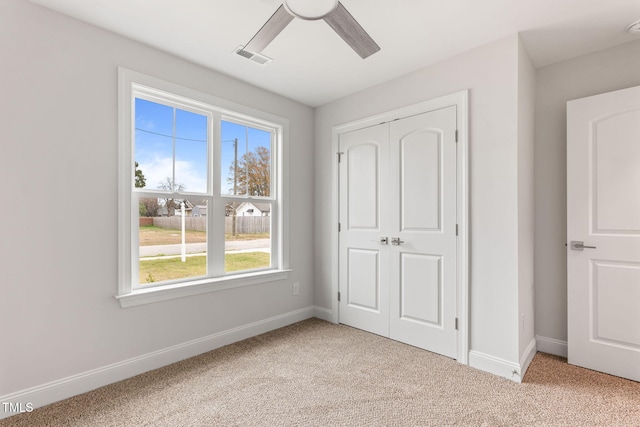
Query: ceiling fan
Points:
[333, 13]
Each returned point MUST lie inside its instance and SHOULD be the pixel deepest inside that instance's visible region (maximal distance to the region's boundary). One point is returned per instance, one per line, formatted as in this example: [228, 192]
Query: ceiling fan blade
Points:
[278, 21]
[351, 32]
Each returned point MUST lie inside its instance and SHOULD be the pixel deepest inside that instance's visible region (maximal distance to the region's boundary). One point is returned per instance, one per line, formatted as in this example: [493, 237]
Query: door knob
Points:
[578, 245]
[382, 240]
[395, 241]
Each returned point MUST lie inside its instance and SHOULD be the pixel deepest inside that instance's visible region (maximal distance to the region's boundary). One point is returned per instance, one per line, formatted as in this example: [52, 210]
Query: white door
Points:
[603, 232]
[364, 260]
[398, 247]
[423, 218]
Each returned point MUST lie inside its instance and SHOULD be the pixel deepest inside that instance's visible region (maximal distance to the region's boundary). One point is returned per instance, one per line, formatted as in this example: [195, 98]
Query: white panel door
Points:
[603, 232]
[364, 265]
[398, 246]
[423, 224]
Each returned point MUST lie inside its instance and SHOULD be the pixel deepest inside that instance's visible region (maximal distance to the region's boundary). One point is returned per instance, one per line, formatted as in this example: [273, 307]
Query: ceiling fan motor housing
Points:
[310, 10]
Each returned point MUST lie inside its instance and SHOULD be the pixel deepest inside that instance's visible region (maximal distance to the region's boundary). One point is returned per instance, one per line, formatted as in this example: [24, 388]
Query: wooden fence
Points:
[244, 224]
[248, 224]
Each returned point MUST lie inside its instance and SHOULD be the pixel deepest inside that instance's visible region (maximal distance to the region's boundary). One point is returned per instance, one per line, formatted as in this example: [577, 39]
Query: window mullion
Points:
[215, 219]
[216, 222]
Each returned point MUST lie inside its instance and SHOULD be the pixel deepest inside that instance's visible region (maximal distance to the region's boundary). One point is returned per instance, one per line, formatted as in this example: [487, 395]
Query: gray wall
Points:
[604, 71]
[491, 74]
[526, 202]
[58, 115]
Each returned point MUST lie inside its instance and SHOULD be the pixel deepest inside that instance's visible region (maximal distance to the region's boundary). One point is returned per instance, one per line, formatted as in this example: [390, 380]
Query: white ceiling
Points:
[312, 64]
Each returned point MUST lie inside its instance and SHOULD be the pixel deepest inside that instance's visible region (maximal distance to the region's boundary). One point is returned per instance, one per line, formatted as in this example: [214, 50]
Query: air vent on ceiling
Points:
[253, 56]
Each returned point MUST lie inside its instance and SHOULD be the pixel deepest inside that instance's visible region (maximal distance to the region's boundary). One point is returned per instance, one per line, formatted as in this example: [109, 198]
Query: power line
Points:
[171, 136]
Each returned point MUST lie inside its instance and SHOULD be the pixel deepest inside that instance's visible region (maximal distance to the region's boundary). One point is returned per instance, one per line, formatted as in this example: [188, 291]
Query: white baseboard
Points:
[552, 346]
[501, 367]
[45, 394]
[495, 365]
[323, 313]
[527, 357]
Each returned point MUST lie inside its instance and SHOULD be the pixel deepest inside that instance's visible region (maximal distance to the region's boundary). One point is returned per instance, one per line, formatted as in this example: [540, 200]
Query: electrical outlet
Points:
[296, 288]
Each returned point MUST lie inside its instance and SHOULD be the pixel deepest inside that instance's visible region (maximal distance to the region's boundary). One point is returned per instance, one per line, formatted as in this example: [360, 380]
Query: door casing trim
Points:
[461, 101]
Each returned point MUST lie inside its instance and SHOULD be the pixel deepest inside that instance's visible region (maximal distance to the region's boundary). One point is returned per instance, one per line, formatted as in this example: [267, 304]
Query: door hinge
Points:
[456, 229]
[338, 296]
[456, 135]
[456, 323]
[339, 227]
[340, 156]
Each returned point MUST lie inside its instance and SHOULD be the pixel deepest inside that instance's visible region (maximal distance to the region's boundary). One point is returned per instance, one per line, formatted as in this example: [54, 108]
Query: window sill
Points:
[169, 292]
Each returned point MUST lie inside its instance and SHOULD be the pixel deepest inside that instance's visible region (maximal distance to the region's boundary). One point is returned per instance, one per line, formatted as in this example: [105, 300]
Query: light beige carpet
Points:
[315, 373]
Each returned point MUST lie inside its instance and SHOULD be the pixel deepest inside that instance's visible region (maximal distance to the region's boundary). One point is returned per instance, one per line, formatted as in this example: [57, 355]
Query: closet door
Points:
[423, 231]
[398, 243]
[364, 222]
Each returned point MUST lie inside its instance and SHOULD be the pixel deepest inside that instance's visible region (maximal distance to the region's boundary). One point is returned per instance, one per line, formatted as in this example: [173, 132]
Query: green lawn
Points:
[158, 270]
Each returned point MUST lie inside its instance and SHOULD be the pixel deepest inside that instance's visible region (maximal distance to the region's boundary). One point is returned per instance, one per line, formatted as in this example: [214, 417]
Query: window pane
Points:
[245, 160]
[247, 236]
[153, 143]
[170, 148]
[191, 151]
[160, 239]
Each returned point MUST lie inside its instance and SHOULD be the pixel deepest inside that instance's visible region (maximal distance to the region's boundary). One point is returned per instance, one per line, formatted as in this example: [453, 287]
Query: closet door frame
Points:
[460, 101]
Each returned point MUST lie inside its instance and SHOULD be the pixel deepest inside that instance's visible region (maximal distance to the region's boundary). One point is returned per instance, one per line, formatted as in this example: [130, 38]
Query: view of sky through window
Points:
[158, 127]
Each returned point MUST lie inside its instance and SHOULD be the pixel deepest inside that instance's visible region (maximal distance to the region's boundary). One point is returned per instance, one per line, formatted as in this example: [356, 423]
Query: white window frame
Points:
[132, 84]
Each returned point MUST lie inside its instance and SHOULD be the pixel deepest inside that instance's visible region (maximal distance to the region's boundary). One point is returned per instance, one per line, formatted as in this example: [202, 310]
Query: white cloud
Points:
[157, 169]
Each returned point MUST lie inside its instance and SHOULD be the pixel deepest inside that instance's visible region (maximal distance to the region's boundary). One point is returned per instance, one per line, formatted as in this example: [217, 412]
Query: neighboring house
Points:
[190, 209]
[164, 210]
[253, 209]
[199, 210]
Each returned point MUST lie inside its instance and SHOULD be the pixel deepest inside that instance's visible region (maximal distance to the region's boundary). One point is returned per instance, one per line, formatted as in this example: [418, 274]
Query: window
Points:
[194, 170]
